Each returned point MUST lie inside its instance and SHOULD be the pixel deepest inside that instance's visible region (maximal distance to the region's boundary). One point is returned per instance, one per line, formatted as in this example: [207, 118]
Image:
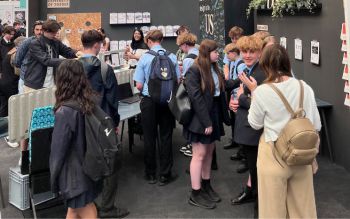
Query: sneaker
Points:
[188, 152]
[12, 145]
[201, 200]
[184, 148]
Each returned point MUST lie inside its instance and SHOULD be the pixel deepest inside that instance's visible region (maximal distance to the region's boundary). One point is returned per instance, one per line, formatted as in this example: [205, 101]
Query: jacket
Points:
[108, 91]
[244, 134]
[4, 49]
[39, 59]
[68, 148]
[8, 79]
[202, 102]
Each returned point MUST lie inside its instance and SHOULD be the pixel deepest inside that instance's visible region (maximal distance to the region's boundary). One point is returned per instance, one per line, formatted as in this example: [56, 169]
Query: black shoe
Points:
[242, 168]
[211, 194]
[244, 197]
[230, 145]
[150, 178]
[113, 213]
[236, 156]
[201, 200]
[164, 180]
[187, 171]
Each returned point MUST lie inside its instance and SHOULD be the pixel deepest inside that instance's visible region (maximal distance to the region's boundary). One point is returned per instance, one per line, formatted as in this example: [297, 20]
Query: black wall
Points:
[325, 79]
[163, 12]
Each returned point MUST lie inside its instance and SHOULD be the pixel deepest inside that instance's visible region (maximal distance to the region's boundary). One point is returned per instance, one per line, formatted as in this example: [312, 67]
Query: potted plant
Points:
[256, 4]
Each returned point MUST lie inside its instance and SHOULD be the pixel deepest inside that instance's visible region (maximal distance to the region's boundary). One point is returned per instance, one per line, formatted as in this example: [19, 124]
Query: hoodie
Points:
[108, 91]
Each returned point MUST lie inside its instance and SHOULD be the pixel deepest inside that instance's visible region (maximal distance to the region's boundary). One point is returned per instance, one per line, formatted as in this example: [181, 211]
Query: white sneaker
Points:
[12, 145]
[188, 152]
[184, 148]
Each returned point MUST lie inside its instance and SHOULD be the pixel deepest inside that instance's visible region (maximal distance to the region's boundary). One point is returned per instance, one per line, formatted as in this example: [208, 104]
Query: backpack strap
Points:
[191, 56]
[104, 70]
[301, 100]
[284, 100]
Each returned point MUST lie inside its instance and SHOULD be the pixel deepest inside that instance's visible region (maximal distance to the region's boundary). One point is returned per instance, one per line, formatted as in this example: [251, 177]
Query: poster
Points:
[345, 73]
[121, 18]
[114, 45]
[113, 18]
[315, 52]
[169, 31]
[146, 17]
[298, 50]
[145, 30]
[283, 42]
[162, 29]
[7, 11]
[58, 3]
[130, 18]
[20, 16]
[138, 18]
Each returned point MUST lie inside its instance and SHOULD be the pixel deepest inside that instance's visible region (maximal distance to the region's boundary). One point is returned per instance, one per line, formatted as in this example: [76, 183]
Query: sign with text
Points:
[212, 21]
[58, 3]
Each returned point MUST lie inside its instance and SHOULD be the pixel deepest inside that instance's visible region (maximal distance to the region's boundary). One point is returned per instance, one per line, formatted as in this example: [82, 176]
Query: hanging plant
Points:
[279, 7]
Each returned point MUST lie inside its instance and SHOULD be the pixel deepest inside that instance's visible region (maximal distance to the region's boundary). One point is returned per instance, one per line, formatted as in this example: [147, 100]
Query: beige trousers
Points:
[284, 192]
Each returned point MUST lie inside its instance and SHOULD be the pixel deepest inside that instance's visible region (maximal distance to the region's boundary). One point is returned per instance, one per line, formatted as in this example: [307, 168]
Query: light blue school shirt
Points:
[143, 68]
[188, 62]
[216, 82]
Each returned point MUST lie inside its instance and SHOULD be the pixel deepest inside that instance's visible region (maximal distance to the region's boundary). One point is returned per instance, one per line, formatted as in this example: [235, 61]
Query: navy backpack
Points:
[163, 79]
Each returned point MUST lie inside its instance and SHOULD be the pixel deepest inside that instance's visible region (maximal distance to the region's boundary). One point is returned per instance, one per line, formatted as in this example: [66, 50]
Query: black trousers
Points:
[155, 116]
[232, 120]
[252, 155]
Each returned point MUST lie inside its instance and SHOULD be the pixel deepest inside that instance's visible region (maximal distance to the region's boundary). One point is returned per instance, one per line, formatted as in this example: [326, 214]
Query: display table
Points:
[323, 106]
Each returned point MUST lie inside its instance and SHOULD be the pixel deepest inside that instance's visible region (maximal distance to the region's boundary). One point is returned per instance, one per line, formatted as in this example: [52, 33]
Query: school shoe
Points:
[11, 144]
[164, 180]
[113, 213]
[150, 178]
[201, 200]
[245, 196]
[230, 145]
[242, 168]
[211, 194]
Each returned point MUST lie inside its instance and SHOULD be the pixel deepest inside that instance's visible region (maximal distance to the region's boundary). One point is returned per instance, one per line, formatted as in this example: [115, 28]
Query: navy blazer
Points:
[202, 102]
[244, 134]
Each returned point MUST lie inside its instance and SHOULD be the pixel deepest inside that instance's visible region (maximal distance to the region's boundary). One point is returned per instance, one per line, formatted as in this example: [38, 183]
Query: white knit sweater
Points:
[268, 111]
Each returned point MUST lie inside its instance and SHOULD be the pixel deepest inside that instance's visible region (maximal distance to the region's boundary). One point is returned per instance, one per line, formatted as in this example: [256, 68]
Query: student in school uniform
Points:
[206, 89]
[155, 115]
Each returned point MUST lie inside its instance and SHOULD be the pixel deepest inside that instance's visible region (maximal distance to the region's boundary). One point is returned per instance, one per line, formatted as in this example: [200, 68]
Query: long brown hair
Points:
[73, 85]
[274, 61]
[204, 64]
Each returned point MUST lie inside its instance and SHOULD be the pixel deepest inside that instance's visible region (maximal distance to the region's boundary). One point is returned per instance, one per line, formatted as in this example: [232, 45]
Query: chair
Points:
[40, 135]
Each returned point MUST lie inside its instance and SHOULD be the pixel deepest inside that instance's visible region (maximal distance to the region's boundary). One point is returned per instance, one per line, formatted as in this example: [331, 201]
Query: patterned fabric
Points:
[42, 117]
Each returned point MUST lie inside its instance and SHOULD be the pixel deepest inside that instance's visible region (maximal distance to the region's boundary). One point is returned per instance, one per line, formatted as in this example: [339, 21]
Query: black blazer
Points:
[202, 102]
[244, 133]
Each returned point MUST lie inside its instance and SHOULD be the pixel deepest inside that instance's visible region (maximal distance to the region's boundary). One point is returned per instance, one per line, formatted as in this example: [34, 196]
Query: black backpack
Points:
[162, 79]
[102, 143]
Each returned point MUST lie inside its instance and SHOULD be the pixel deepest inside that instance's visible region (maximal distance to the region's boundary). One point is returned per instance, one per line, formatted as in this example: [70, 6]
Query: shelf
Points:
[297, 12]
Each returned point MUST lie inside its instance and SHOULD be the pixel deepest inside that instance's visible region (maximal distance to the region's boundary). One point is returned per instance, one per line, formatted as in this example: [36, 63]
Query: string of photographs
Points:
[345, 38]
[130, 18]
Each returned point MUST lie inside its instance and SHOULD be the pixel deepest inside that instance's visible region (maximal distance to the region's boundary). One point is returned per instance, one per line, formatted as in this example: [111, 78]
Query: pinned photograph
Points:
[315, 52]
[283, 42]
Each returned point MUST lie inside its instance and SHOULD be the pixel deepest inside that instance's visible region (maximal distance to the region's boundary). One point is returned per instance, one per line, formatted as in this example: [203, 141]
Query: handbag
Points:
[180, 105]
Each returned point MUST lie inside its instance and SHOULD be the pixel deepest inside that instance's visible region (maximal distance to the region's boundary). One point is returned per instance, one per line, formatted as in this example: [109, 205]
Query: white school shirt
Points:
[268, 111]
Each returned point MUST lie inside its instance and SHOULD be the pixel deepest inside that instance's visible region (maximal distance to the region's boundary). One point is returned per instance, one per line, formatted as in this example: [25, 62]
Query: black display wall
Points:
[326, 79]
[164, 12]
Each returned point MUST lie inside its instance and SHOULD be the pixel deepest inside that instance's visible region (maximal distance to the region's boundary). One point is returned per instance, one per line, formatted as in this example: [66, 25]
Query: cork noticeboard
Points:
[75, 24]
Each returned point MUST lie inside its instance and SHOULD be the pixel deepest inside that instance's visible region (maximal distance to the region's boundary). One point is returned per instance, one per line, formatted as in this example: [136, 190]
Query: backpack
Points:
[298, 141]
[162, 79]
[102, 143]
[12, 54]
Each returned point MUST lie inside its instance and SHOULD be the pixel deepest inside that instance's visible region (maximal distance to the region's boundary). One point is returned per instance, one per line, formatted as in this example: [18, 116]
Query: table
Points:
[127, 111]
[322, 107]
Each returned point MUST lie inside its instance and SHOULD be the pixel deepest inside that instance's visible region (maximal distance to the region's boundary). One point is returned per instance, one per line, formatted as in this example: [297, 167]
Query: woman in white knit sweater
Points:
[284, 191]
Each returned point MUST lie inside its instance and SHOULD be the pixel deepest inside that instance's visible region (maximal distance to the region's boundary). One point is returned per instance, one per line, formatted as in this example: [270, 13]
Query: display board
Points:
[345, 38]
[75, 24]
[212, 21]
[11, 11]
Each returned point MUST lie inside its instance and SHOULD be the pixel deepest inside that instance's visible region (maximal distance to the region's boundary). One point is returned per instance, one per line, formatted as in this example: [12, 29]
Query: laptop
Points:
[125, 94]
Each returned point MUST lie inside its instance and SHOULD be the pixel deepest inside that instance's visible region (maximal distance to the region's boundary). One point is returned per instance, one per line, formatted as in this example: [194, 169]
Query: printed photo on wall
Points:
[283, 42]
[20, 15]
[315, 52]
[298, 50]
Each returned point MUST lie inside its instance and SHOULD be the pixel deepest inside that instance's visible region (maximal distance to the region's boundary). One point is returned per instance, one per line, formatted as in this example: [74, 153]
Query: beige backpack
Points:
[298, 141]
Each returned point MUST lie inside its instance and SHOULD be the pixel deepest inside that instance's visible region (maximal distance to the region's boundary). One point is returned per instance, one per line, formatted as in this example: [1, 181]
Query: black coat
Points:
[109, 93]
[202, 102]
[39, 59]
[4, 49]
[68, 148]
[8, 79]
[244, 133]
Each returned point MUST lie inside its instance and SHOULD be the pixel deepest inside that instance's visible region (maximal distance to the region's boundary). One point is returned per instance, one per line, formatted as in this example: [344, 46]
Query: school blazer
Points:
[202, 103]
[244, 134]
